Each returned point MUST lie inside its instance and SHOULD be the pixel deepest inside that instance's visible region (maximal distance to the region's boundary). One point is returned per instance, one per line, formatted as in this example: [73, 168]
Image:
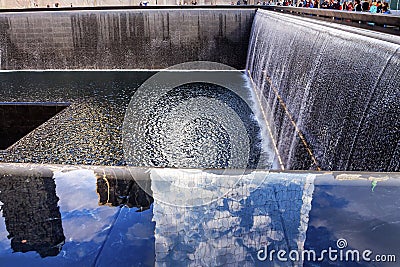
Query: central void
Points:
[195, 119]
[18, 119]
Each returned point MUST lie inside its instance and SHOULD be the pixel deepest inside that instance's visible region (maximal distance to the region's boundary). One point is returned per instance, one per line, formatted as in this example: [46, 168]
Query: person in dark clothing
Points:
[350, 6]
[336, 5]
[357, 6]
[324, 5]
[385, 10]
[365, 6]
[379, 7]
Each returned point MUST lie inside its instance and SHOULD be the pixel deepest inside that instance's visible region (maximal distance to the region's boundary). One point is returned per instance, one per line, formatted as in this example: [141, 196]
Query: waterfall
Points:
[124, 39]
[333, 94]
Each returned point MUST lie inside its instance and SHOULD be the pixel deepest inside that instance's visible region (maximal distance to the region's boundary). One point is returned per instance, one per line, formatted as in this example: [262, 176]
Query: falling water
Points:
[124, 39]
[333, 95]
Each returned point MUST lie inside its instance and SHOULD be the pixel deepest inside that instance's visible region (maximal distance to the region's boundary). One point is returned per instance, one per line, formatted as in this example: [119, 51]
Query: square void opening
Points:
[19, 119]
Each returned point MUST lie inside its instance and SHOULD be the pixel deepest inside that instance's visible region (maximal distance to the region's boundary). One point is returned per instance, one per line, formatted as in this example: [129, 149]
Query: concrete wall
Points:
[123, 39]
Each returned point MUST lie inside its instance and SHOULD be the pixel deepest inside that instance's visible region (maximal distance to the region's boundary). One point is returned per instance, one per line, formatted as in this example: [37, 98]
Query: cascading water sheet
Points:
[332, 93]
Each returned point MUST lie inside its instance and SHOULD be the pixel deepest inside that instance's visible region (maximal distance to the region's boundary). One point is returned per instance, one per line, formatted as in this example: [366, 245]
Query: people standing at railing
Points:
[324, 4]
[365, 6]
[379, 7]
[373, 9]
[350, 6]
[385, 9]
[306, 3]
[357, 6]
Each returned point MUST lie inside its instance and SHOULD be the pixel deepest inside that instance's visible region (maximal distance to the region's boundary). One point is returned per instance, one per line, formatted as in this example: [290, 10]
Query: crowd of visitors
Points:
[371, 6]
[365, 6]
[48, 5]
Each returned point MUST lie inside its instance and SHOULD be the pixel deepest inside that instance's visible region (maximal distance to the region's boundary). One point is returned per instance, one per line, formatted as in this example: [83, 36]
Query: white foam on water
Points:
[266, 142]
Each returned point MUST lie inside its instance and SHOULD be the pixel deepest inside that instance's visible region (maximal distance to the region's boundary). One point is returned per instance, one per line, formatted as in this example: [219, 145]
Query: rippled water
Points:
[195, 124]
[205, 121]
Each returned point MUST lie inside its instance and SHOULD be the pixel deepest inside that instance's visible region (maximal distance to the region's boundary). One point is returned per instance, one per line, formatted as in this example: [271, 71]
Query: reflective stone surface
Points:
[366, 217]
[31, 214]
[61, 219]
[98, 216]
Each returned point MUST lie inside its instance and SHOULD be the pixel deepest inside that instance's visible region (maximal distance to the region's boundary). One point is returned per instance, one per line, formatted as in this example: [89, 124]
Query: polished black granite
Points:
[67, 220]
[81, 216]
[366, 216]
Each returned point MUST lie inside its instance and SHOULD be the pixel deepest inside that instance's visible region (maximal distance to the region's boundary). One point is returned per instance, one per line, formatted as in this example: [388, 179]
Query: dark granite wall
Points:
[341, 89]
[123, 39]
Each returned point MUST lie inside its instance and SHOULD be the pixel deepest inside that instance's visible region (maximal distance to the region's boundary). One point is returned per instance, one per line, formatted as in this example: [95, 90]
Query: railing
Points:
[378, 22]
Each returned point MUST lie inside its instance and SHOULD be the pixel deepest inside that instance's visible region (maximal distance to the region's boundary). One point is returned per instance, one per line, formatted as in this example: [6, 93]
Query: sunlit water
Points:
[196, 124]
